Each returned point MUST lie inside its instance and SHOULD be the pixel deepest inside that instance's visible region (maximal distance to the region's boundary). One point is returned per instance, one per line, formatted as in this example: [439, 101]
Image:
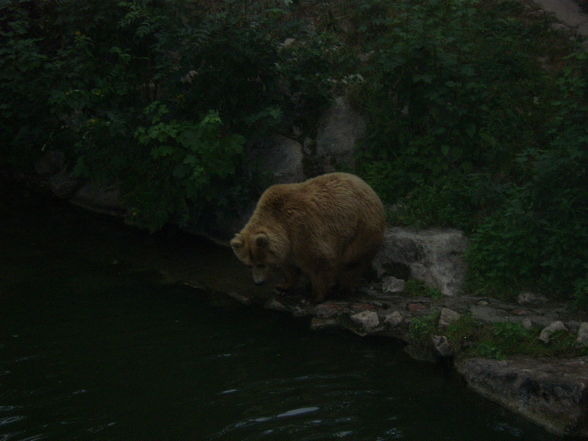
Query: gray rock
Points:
[64, 184]
[339, 130]
[280, 155]
[327, 310]
[393, 318]
[442, 346]
[548, 331]
[527, 323]
[368, 320]
[552, 393]
[51, 163]
[239, 297]
[275, 305]
[100, 198]
[488, 314]
[392, 285]
[447, 317]
[582, 339]
[435, 257]
[529, 298]
[321, 323]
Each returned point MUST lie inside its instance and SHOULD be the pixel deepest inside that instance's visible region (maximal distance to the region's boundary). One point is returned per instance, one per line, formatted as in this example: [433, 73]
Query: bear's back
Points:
[331, 203]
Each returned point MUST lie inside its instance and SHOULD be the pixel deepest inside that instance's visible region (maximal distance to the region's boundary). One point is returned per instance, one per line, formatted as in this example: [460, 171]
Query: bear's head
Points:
[258, 252]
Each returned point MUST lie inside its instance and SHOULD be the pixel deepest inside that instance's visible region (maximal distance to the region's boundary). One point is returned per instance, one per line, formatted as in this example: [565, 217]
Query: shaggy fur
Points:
[329, 228]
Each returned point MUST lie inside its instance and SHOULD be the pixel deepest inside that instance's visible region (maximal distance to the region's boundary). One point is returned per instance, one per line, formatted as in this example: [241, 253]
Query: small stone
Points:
[320, 323]
[327, 310]
[288, 42]
[275, 305]
[483, 303]
[416, 307]
[582, 339]
[392, 285]
[393, 319]
[529, 298]
[240, 298]
[527, 323]
[487, 314]
[548, 331]
[442, 346]
[520, 312]
[363, 307]
[447, 317]
[367, 319]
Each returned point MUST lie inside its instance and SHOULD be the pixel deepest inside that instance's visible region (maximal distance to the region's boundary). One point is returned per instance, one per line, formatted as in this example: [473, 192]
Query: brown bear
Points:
[328, 227]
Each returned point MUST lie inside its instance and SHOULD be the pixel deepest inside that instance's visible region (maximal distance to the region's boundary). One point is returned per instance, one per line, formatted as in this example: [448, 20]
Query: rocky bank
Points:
[551, 392]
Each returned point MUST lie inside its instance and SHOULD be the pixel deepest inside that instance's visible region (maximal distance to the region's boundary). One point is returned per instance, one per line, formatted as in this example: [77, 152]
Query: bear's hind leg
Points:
[323, 281]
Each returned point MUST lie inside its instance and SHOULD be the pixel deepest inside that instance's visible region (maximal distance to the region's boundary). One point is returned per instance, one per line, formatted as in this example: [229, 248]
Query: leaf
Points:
[163, 151]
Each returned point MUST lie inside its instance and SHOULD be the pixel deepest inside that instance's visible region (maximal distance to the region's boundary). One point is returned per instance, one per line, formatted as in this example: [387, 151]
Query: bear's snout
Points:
[259, 273]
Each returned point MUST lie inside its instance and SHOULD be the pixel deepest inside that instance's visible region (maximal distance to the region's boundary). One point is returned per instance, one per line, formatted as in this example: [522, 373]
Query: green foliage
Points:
[502, 340]
[538, 238]
[446, 94]
[160, 97]
[419, 289]
[476, 112]
[477, 121]
[421, 328]
[190, 158]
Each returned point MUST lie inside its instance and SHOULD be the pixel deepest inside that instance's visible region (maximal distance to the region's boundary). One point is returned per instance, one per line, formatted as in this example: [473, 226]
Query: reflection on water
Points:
[92, 348]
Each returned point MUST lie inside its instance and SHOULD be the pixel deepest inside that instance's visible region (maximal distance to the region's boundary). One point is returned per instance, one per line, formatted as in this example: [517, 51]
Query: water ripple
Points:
[300, 411]
[11, 419]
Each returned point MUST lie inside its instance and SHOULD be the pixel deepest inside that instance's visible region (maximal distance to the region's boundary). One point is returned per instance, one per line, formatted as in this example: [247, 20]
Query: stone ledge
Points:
[552, 393]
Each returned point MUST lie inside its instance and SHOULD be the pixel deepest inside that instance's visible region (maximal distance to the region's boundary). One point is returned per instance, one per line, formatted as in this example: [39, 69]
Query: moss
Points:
[417, 288]
[473, 338]
[421, 329]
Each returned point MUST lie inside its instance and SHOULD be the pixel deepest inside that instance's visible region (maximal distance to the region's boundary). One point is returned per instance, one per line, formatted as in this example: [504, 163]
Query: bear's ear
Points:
[261, 240]
[236, 243]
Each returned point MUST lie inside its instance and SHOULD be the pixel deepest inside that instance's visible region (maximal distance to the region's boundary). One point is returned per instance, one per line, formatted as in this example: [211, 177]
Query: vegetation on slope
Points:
[476, 111]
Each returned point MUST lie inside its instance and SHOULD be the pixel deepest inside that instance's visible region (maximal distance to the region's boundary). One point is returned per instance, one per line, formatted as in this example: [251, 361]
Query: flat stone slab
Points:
[552, 393]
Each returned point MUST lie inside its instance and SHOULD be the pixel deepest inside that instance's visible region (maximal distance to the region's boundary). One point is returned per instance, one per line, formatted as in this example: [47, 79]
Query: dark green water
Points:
[94, 348]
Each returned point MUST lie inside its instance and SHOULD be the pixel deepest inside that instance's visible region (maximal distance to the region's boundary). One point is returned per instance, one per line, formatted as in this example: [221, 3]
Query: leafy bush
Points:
[417, 288]
[538, 238]
[477, 121]
[159, 96]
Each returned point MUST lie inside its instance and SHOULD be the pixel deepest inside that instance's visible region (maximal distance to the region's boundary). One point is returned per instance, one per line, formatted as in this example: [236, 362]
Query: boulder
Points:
[552, 393]
[442, 346]
[328, 310]
[100, 198]
[393, 318]
[322, 323]
[529, 298]
[447, 317]
[435, 257]
[392, 285]
[548, 331]
[368, 320]
[51, 163]
[63, 184]
[339, 130]
[582, 339]
[279, 155]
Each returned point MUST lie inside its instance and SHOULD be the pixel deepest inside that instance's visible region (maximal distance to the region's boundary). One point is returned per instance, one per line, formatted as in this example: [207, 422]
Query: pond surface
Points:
[94, 346]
